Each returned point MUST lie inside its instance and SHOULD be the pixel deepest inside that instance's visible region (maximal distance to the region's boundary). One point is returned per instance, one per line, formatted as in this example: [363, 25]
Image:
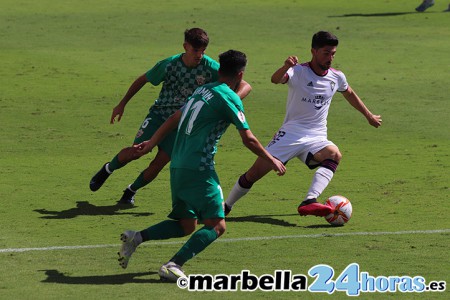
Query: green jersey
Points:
[206, 116]
[179, 82]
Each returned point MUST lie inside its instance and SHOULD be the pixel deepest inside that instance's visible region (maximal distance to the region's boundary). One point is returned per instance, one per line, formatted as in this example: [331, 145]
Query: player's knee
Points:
[220, 228]
[217, 224]
[188, 225]
[188, 229]
[335, 155]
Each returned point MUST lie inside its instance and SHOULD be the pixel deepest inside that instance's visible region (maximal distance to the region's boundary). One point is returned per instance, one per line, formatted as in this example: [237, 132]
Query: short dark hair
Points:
[324, 38]
[197, 37]
[232, 62]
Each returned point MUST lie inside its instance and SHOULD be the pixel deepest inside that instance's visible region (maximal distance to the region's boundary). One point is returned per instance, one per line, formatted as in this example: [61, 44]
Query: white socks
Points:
[236, 193]
[320, 181]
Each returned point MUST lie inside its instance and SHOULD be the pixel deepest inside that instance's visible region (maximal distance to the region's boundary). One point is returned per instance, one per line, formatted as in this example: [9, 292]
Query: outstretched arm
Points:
[252, 143]
[356, 102]
[132, 90]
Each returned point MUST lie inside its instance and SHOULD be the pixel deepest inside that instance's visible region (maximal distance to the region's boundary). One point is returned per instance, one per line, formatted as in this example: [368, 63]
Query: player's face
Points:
[324, 56]
[193, 56]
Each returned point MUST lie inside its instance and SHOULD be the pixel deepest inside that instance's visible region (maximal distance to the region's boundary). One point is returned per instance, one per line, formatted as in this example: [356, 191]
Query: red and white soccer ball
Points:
[342, 210]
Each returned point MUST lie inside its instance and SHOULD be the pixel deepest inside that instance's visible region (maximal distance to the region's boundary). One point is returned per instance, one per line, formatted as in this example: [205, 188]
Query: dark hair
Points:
[232, 62]
[197, 37]
[324, 38]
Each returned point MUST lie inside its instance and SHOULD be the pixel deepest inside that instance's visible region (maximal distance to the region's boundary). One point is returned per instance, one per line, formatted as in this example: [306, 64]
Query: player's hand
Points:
[278, 167]
[375, 120]
[291, 61]
[117, 112]
[143, 148]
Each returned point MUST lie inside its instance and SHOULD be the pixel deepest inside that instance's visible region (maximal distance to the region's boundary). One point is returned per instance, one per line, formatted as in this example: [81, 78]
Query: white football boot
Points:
[171, 272]
[131, 239]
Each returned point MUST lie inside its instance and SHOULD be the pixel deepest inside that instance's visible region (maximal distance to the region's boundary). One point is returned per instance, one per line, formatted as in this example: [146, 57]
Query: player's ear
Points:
[241, 75]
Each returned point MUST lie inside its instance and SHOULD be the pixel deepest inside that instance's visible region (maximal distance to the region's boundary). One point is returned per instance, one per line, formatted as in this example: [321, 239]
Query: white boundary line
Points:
[232, 240]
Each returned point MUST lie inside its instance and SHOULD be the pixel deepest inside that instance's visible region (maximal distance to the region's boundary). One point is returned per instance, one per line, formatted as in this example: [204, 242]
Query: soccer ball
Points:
[342, 210]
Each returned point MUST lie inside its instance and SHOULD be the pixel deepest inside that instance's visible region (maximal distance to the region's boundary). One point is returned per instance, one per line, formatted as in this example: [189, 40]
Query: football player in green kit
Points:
[196, 192]
[180, 74]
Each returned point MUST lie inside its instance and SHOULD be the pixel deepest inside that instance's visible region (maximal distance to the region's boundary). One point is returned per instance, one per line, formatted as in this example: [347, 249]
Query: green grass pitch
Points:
[66, 64]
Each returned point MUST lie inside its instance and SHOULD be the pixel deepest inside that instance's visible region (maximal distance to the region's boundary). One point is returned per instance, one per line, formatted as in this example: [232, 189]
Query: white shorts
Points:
[286, 145]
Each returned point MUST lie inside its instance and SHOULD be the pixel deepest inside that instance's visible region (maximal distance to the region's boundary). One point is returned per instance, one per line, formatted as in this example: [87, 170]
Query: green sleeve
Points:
[213, 66]
[234, 111]
[157, 74]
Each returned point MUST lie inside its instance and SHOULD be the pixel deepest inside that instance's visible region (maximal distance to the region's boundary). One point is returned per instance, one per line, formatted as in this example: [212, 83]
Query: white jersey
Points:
[309, 99]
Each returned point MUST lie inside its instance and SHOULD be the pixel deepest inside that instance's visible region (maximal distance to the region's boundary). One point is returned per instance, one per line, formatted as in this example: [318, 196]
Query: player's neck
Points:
[317, 69]
[188, 62]
[231, 82]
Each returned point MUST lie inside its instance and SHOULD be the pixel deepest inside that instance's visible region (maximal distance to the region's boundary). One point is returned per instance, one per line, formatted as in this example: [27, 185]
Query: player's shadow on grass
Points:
[266, 219]
[84, 208]
[321, 226]
[388, 14]
[54, 276]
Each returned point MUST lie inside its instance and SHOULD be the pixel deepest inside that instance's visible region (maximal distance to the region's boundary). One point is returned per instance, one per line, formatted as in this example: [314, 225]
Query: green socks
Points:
[139, 182]
[196, 244]
[201, 239]
[114, 164]
[162, 231]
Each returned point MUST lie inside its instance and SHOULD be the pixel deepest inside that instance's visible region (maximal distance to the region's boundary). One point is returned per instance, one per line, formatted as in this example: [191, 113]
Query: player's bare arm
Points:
[243, 89]
[133, 89]
[252, 143]
[356, 102]
[280, 75]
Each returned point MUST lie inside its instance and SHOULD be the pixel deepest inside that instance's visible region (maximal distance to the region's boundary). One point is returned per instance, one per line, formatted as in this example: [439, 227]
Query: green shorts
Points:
[151, 123]
[195, 194]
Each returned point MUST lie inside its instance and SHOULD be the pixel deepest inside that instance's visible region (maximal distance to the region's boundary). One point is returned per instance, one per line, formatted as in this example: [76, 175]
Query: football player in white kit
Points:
[304, 131]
